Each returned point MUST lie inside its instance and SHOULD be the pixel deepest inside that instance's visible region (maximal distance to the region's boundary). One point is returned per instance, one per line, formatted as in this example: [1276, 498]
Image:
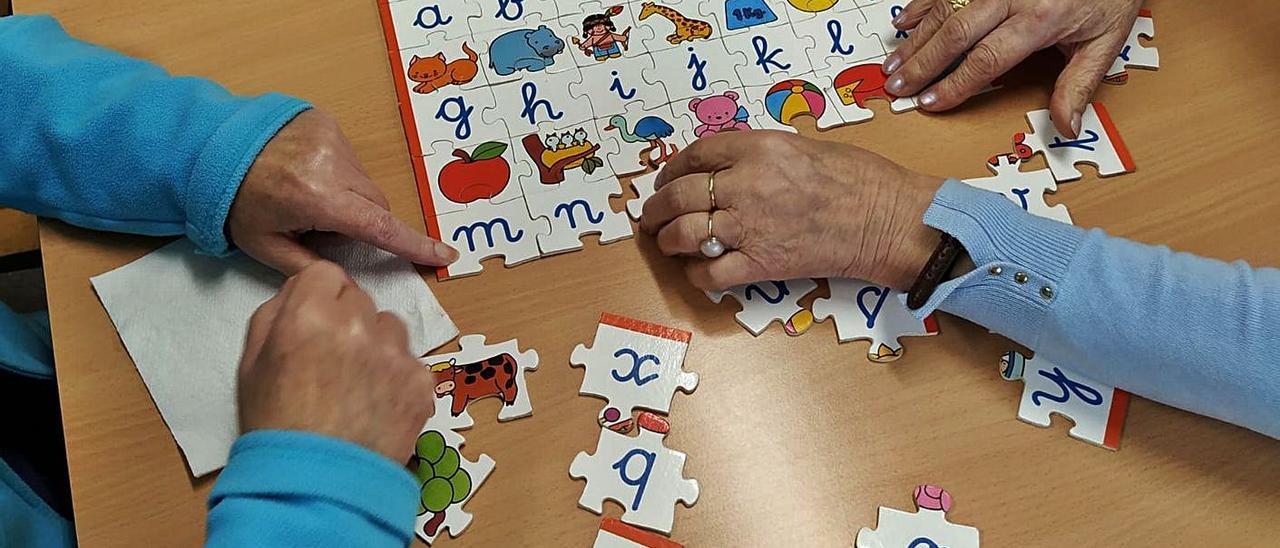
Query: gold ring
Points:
[957, 5]
[711, 189]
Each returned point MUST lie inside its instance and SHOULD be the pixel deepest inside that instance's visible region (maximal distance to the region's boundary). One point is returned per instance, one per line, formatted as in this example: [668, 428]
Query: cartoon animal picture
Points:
[651, 129]
[719, 113]
[858, 83]
[443, 482]
[433, 73]
[524, 49]
[687, 30]
[560, 153]
[495, 376]
[600, 37]
[812, 6]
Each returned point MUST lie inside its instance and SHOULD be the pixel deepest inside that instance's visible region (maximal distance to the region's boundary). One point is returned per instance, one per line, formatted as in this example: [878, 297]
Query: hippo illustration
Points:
[524, 49]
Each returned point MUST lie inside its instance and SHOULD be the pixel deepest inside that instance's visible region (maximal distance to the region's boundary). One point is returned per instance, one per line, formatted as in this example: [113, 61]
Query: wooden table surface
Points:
[795, 441]
[17, 232]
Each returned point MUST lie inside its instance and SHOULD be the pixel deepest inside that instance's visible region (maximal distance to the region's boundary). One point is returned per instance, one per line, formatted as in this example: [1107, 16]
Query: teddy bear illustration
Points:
[719, 113]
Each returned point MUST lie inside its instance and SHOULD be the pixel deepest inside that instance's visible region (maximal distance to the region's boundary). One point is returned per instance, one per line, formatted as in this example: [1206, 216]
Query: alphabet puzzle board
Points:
[522, 114]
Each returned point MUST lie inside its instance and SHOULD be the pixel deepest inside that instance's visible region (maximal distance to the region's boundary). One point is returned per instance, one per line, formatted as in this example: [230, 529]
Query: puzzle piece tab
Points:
[644, 190]
[766, 302]
[480, 371]
[865, 311]
[1098, 411]
[927, 527]
[634, 364]
[446, 479]
[1025, 188]
[638, 472]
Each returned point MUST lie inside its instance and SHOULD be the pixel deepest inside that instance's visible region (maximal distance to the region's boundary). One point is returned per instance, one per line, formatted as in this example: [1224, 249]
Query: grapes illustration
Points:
[444, 482]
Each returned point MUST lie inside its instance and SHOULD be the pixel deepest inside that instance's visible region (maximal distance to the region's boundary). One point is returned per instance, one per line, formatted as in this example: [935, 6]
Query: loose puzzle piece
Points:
[577, 210]
[480, 371]
[1025, 188]
[616, 534]
[927, 527]
[1097, 410]
[1134, 54]
[1099, 144]
[484, 230]
[766, 302]
[865, 311]
[446, 479]
[638, 472]
[634, 364]
[644, 190]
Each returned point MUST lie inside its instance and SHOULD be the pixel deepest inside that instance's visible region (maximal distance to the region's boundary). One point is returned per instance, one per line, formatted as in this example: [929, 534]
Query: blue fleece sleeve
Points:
[1190, 332]
[104, 141]
[289, 488]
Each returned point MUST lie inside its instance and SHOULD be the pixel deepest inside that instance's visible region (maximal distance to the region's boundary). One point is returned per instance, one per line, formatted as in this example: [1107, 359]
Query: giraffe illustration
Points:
[686, 29]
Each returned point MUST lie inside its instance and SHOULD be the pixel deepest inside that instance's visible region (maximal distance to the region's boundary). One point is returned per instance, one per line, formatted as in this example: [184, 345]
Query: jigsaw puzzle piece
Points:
[638, 472]
[525, 106]
[616, 534]
[644, 190]
[576, 210]
[505, 15]
[453, 113]
[479, 371]
[766, 302]
[609, 87]
[461, 173]
[773, 54]
[564, 156]
[879, 24]
[415, 21]
[1099, 144]
[484, 230]
[1134, 54]
[865, 311]
[634, 364]
[731, 16]
[446, 479]
[721, 108]
[1097, 411]
[690, 70]
[672, 24]
[776, 106]
[530, 50]
[928, 526]
[639, 139]
[603, 33]
[837, 42]
[1025, 188]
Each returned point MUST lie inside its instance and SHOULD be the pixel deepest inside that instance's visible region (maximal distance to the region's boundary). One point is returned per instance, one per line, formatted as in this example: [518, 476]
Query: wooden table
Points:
[17, 232]
[795, 441]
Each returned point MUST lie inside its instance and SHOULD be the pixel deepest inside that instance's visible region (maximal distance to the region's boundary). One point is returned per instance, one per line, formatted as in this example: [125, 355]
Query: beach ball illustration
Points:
[790, 98]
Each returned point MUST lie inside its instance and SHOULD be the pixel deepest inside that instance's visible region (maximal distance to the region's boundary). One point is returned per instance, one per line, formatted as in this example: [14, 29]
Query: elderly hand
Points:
[998, 34]
[307, 178]
[319, 357]
[790, 207]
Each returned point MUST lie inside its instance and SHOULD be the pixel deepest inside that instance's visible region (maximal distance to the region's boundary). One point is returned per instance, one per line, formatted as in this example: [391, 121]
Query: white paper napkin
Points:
[182, 317]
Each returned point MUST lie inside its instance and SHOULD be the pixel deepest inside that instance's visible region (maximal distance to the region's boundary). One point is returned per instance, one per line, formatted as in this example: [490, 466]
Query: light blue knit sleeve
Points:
[105, 141]
[290, 488]
[1195, 333]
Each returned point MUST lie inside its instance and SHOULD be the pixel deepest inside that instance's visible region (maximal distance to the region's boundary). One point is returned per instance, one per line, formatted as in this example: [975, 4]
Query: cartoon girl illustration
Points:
[599, 36]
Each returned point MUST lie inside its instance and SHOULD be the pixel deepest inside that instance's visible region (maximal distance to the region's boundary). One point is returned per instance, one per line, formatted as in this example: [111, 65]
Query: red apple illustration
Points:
[480, 175]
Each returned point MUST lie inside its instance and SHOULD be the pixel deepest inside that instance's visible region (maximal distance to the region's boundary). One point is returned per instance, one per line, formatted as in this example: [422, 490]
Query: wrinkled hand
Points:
[998, 34]
[307, 178]
[319, 357]
[791, 207]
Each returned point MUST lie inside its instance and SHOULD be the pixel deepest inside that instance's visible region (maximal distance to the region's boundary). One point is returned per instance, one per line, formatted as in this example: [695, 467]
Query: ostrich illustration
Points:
[651, 129]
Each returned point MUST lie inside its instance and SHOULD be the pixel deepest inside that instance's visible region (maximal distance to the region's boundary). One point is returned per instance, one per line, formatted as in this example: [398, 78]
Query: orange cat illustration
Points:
[433, 73]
